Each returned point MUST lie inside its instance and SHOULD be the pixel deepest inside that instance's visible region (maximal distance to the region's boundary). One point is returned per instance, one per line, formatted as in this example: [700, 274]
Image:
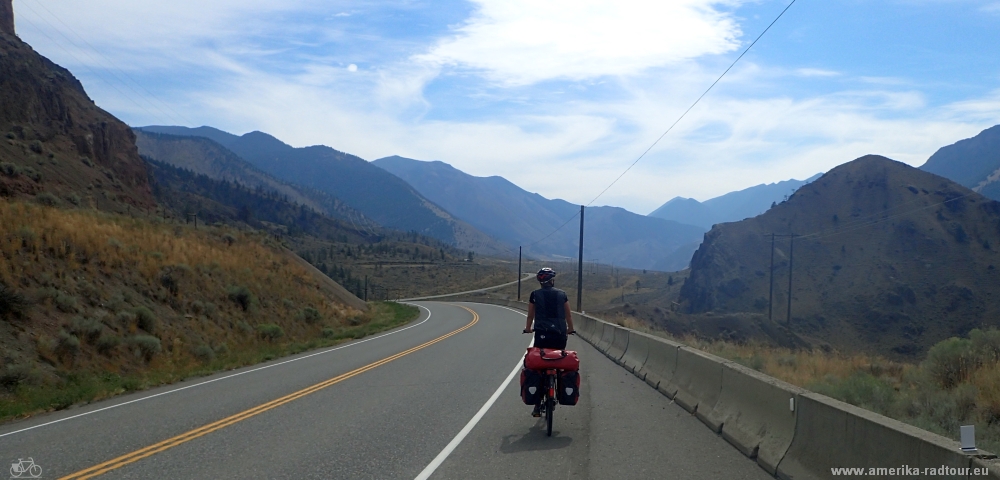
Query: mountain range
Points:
[973, 162]
[888, 258]
[731, 207]
[204, 156]
[379, 195]
[517, 217]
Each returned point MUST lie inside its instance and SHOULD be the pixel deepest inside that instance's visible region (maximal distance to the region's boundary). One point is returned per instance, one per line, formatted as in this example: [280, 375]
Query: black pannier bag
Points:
[531, 386]
[568, 387]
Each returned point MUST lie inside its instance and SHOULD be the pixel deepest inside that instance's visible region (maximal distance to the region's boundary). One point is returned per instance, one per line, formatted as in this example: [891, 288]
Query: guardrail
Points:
[790, 432]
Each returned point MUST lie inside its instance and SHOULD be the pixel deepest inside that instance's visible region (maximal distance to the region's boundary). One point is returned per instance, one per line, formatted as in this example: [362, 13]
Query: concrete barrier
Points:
[660, 366]
[637, 352]
[830, 434]
[619, 343]
[755, 413]
[586, 327]
[699, 382]
[607, 335]
[992, 467]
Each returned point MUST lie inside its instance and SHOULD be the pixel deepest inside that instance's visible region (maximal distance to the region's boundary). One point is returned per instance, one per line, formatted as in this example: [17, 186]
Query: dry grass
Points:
[110, 296]
[958, 384]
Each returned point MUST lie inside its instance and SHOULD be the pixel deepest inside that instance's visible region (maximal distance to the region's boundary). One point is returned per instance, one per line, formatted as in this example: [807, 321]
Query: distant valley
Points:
[377, 194]
[517, 217]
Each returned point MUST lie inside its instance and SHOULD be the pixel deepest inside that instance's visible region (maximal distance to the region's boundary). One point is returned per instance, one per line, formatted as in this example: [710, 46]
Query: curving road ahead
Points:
[390, 406]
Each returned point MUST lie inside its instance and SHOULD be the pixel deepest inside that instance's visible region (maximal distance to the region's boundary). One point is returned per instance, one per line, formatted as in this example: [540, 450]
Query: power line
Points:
[717, 80]
[110, 63]
[84, 64]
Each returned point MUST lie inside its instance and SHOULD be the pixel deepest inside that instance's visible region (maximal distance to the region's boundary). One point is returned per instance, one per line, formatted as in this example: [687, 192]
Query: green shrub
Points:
[861, 389]
[950, 361]
[9, 169]
[12, 304]
[108, 343]
[270, 331]
[309, 315]
[13, 376]
[73, 199]
[222, 349]
[986, 345]
[244, 327]
[125, 319]
[210, 309]
[67, 344]
[47, 199]
[203, 353]
[145, 319]
[86, 328]
[329, 333]
[65, 302]
[146, 346]
[241, 296]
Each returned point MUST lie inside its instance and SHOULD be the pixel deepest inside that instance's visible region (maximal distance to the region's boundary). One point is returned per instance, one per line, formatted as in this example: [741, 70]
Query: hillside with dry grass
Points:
[891, 260]
[95, 303]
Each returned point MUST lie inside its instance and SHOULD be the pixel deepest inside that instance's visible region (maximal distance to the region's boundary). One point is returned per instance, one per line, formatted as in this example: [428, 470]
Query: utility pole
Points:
[519, 274]
[579, 270]
[770, 293]
[791, 257]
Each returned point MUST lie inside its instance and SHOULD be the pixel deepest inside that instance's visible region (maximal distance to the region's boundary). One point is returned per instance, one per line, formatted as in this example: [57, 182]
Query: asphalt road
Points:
[383, 407]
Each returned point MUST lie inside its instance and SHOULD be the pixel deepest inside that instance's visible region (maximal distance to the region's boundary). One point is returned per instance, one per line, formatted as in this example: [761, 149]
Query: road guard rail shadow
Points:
[790, 432]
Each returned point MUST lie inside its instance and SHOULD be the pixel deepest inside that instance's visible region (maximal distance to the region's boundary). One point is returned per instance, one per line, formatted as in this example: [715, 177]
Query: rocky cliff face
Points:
[7, 17]
[893, 260]
[56, 140]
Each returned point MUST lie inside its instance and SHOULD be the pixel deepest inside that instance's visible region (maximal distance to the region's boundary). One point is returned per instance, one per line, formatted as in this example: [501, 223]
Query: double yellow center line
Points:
[137, 455]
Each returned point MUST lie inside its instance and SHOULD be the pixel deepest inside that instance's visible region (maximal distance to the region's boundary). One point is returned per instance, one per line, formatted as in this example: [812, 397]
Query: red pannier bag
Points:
[546, 358]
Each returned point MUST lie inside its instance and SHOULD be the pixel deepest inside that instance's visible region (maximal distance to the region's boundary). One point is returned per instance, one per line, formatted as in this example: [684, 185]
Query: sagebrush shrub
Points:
[67, 343]
[146, 346]
[108, 343]
[270, 331]
[12, 304]
[241, 296]
[203, 353]
[87, 328]
[950, 361]
[145, 319]
[309, 315]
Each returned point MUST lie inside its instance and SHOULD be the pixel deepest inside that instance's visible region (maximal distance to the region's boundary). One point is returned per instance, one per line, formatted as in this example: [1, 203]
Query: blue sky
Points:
[559, 97]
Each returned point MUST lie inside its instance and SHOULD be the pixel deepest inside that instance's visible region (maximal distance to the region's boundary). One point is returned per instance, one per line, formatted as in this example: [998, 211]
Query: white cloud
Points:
[517, 42]
[352, 68]
[816, 72]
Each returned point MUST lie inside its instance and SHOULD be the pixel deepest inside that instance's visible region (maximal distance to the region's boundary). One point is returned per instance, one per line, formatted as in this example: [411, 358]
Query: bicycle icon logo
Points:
[25, 469]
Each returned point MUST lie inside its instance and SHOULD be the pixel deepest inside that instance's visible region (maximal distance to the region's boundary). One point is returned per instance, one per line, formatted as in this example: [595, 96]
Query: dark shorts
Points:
[550, 339]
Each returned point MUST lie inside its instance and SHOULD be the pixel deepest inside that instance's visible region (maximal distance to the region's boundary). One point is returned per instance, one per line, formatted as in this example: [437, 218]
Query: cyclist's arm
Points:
[531, 316]
[569, 317]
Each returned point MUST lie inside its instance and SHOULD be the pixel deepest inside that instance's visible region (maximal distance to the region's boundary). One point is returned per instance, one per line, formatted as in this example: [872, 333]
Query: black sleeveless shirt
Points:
[550, 310]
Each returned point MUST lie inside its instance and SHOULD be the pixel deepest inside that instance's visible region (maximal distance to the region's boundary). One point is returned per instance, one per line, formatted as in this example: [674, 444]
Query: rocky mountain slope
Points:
[517, 217]
[731, 207]
[56, 142]
[973, 162]
[890, 259]
[378, 194]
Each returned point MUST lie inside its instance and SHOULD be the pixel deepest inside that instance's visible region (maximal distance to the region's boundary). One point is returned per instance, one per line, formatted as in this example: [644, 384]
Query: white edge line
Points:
[223, 378]
[441, 457]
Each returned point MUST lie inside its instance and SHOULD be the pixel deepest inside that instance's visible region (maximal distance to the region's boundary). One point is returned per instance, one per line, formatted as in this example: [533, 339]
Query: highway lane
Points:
[389, 421]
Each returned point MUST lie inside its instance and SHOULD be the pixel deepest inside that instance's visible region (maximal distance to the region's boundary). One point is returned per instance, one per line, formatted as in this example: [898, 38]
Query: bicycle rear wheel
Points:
[550, 406]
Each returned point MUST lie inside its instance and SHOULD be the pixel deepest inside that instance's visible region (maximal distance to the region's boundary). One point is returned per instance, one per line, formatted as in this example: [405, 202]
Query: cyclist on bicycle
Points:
[548, 308]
